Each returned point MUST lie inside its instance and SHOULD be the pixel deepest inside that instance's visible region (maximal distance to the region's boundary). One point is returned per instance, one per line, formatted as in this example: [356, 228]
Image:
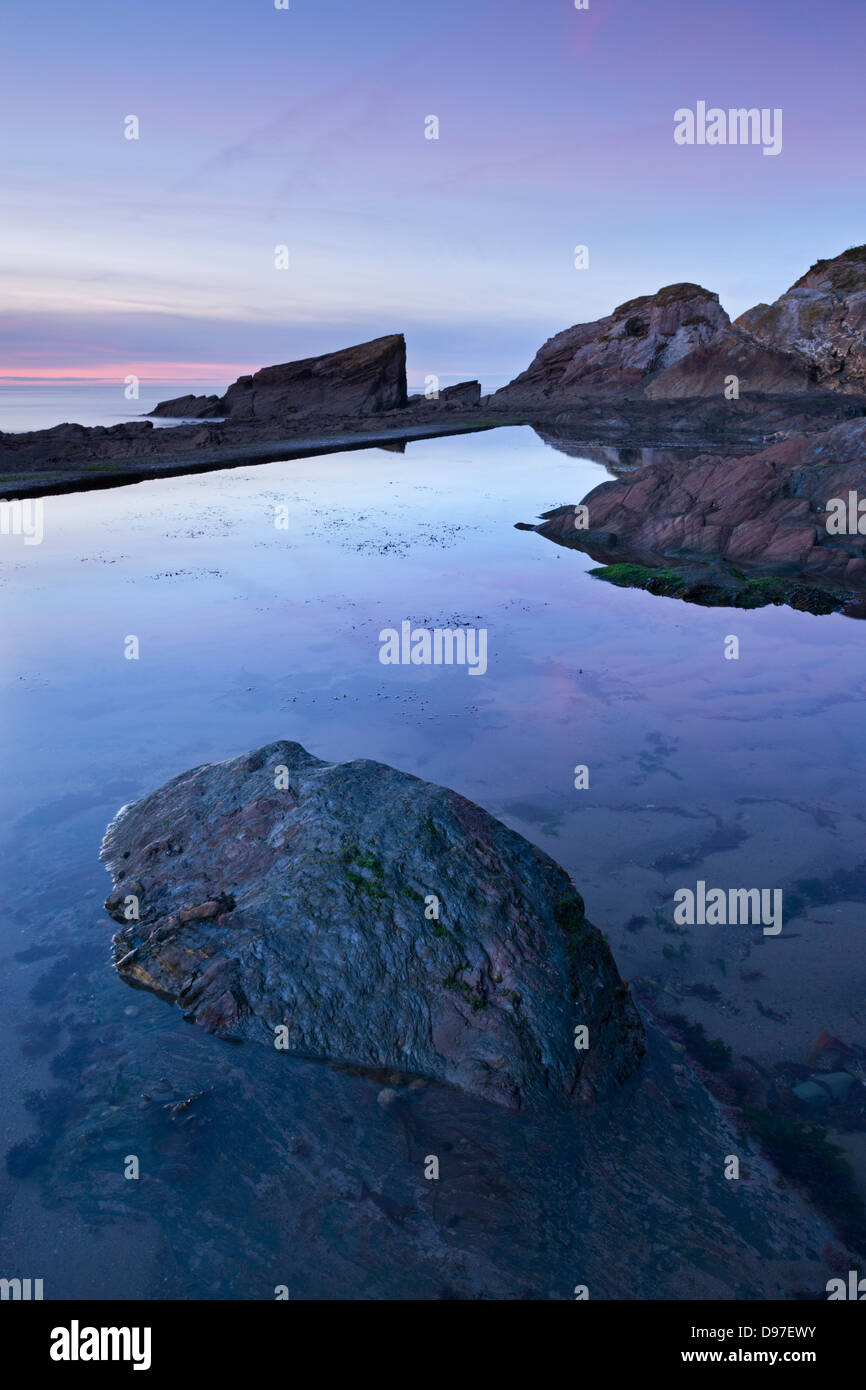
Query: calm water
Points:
[38, 406]
[745, 773]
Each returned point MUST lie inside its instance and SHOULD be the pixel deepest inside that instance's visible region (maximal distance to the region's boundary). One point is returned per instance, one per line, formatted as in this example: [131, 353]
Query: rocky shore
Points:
[778, 526]
[775, 520]
[666, 368]
[754, 431]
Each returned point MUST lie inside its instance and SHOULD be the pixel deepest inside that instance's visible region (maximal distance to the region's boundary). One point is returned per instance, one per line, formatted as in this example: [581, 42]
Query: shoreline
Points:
[32, 463]
[122, 472]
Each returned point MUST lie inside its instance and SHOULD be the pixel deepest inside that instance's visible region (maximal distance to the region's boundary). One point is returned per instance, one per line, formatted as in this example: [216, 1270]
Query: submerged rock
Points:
[290, 900]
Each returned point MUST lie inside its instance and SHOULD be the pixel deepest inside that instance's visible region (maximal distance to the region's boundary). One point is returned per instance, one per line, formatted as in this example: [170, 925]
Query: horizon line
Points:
[156, 373]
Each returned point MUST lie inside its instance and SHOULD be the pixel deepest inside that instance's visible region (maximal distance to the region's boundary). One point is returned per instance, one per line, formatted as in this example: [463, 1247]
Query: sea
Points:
[39, 406]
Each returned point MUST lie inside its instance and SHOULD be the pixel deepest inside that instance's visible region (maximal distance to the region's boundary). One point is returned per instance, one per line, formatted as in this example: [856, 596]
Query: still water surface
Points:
[744, 773]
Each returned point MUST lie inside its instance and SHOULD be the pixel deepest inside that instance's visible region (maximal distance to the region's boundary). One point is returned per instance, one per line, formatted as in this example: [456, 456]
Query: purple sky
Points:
[306, 127]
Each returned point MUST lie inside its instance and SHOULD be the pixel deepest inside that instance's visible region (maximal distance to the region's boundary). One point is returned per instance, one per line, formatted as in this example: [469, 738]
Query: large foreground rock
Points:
[263, 904]
[360, 380]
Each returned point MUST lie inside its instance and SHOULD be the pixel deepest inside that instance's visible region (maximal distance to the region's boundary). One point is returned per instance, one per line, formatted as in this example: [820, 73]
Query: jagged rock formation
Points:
[800, 365]
[618, 354]
[191, 408]
[823, 318]
[360, 380]
[462, 393]
[812, 338]
[277, 889]
[764, 515]
[733, 352]
[679, 343]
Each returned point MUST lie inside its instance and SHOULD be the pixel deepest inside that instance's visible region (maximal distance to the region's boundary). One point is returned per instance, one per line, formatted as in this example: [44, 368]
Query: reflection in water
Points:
[258, 1169]
[722, 530]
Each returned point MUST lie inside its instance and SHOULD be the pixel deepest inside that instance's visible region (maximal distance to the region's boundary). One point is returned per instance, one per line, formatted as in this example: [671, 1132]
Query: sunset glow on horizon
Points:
[150, 372]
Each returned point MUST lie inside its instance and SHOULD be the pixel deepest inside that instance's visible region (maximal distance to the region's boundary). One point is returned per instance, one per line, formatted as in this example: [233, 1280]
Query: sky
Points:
[305, 128]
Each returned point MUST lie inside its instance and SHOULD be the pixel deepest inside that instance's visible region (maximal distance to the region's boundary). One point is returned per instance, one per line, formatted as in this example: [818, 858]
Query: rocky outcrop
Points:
[462, 393]
[280, 891]
[680, 344]
[764, 368]
[765, 515]
[823, 318]
[191, 408]
[361, 380]
[623, 380]
[812, 338]
[68, 441]
[619, 354]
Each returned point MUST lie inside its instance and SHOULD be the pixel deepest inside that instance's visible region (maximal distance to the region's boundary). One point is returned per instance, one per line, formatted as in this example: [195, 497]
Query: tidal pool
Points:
[745, 774]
